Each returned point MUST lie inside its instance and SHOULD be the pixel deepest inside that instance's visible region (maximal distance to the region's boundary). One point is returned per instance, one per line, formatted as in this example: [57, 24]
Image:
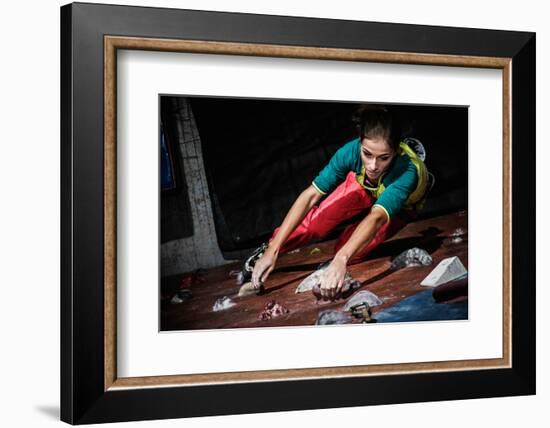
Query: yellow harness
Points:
[416, 198]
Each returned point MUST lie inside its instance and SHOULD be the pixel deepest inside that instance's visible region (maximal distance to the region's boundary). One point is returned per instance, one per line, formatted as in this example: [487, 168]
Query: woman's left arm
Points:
[333, 278]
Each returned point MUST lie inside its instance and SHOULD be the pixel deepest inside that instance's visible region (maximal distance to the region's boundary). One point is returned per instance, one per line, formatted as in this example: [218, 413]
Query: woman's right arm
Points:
[263, 267]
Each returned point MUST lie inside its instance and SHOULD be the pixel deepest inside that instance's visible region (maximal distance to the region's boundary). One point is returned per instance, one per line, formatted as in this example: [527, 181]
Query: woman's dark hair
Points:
[377, 121]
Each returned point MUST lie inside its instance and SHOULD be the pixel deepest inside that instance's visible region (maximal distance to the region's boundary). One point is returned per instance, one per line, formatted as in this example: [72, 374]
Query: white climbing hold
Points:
[223, 303]
[447, 270]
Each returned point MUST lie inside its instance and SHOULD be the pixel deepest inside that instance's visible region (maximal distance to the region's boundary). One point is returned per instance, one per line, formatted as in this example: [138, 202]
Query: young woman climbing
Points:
[376, 176]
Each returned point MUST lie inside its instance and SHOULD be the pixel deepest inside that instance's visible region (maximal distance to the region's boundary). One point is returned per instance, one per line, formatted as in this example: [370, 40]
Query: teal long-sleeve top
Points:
[403, 185]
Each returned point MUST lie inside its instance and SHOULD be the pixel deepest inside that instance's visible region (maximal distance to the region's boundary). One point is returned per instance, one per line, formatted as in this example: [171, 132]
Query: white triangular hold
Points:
[447, 270]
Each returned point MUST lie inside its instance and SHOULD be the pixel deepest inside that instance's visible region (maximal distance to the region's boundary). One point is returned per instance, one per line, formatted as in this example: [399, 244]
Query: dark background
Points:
[260, 154]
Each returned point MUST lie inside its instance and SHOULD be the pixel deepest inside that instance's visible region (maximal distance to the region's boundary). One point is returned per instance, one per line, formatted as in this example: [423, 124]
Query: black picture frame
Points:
[84, 398]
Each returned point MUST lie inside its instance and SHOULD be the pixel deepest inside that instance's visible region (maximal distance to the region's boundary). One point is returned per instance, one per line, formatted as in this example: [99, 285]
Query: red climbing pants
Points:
[348, 200]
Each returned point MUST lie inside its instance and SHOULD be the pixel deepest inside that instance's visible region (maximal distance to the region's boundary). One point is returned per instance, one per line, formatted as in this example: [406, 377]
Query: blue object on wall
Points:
[422, 307]
[166, 165]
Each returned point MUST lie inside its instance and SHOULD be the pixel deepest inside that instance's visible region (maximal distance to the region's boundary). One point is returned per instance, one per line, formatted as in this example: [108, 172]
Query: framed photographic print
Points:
[265, 213]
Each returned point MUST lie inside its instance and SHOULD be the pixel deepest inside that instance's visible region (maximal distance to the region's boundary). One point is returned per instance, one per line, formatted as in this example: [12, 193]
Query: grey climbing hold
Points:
[181, 296]
[361, 297]
[315, 279]
[410, 258]
[176, 300]
[458, 235]
[329, 317]
[310, 281]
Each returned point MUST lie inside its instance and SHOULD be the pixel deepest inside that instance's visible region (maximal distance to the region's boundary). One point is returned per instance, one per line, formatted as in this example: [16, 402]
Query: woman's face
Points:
[376, 155]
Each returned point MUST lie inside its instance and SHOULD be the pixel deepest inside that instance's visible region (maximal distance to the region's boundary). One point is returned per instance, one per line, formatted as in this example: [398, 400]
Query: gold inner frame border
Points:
[113, 43]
